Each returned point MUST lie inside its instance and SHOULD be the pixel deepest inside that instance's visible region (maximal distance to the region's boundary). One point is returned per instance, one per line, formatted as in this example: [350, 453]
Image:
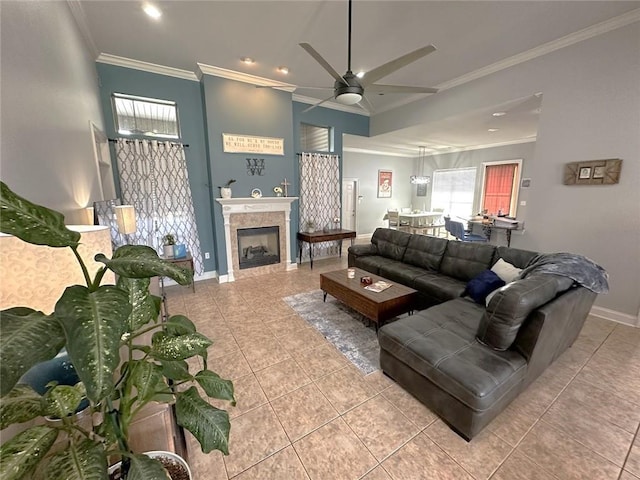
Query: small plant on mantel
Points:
[96, 324]
[228, 184]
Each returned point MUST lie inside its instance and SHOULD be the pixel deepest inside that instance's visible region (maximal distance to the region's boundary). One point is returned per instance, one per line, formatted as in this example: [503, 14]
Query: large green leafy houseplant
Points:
[101, 327]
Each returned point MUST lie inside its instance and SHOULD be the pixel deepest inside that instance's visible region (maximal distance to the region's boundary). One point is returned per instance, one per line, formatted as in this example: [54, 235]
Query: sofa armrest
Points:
[361, 251]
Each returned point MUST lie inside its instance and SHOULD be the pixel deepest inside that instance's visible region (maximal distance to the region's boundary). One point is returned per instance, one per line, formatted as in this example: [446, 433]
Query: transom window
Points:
[316, 139]
[145, 116]
[500, 187]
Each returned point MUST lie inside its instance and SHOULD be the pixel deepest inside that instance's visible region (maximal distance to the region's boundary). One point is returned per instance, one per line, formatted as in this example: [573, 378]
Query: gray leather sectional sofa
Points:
[464, 360]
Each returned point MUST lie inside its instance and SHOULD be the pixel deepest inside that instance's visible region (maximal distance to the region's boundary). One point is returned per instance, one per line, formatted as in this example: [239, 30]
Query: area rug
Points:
[349, 331]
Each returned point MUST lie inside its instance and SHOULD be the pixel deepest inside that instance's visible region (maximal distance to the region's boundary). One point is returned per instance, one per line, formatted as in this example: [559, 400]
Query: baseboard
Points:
[615, 316]
[205, 276]
[292, 266]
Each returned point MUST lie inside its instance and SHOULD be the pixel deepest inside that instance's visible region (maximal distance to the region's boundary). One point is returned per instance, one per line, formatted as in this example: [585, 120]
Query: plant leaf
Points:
[145, 468]
[179, 325]
[208, 424]
[146, 307]
[62, 400]
[84, 461]
[33, 223]
[27, 338]
[165, 347]
[216, 387]
[22, 404]
[93, 323]
[175, 370]
[147, 378]
[21, 454]
[140, 261]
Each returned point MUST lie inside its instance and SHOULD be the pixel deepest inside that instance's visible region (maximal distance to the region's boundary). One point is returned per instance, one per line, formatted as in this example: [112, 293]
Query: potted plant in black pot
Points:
[96, 324]
[225, 191]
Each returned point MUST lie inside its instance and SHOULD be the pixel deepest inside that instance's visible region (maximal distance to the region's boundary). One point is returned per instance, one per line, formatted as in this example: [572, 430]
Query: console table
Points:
[328, 236]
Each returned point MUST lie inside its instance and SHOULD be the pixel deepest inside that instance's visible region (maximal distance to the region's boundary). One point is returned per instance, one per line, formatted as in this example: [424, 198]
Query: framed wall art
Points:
[594, 172]
[385, 183]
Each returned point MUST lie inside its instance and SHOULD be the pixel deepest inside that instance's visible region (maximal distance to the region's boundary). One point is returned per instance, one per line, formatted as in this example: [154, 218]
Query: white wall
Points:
[371, 209]
[590, 110]
[49, 95]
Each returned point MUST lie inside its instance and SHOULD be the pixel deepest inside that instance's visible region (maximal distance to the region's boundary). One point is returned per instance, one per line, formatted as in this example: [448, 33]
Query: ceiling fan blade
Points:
[317, 104]
[369, 108]
[390, 67]
[377, 88]
[311, 51]
[297, 86]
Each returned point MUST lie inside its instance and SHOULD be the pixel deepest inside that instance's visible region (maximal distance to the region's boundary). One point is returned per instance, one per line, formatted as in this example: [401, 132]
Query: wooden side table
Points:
[317, 237]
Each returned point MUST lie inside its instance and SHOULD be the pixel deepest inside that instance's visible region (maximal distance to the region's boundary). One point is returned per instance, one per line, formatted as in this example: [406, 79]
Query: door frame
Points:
[356, 197]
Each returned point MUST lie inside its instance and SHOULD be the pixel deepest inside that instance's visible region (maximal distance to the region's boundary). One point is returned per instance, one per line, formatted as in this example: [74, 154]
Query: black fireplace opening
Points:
[258, 246]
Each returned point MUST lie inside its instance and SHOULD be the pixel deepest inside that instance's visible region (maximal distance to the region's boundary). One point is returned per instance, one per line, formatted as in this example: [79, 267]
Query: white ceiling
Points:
[469, 35]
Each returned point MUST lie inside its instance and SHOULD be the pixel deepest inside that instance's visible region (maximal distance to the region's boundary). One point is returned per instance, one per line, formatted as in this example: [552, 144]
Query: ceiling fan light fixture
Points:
[349, 98]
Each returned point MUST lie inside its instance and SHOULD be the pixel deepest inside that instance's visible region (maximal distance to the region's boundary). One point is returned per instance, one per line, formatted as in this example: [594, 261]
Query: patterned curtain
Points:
[153, 178]
[319, 196]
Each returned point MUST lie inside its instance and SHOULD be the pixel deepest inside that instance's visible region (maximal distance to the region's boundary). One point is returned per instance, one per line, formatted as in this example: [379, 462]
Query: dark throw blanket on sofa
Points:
[580, 269]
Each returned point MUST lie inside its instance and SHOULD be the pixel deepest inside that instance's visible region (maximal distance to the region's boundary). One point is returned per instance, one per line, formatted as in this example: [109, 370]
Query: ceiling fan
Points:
[348, 89]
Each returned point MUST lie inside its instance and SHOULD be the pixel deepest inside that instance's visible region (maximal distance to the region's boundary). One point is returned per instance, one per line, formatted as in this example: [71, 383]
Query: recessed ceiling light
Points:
[493, 129]
[360, 74]
[247, 60]
[283, 69]
[499, 114]
[152, 10]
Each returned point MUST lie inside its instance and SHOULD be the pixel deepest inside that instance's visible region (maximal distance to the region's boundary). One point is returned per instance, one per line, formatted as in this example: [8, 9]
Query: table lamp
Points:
[126, 218]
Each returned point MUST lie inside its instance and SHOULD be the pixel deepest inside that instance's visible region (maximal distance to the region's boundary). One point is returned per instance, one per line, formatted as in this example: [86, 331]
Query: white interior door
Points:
[349, 203]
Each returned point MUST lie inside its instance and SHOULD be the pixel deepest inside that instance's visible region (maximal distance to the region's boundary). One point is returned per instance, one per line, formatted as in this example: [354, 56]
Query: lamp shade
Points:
[35, 276]
[126, 218]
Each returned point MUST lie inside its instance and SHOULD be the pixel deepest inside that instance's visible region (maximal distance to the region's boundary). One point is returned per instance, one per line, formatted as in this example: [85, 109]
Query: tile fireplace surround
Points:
[252, 213]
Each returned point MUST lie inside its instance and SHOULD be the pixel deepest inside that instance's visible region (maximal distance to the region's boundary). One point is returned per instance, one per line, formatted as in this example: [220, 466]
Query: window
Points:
[316, 139]
[453, 191]
[145, 116]
[500, 187]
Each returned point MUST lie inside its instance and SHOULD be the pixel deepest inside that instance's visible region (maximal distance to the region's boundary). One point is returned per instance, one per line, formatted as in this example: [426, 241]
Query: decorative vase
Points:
[172, 461]
[168, 251]
[225, 192]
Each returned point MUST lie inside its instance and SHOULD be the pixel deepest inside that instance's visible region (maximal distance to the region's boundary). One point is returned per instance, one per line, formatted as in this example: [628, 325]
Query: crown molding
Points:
[329, 104]
[575, 37]
[204, 69]
[81, 21]
[373, 151]
[146, 66]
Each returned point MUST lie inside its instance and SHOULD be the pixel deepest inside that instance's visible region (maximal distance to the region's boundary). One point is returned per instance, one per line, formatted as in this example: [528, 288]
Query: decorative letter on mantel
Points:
[248, 144]
[594, 172]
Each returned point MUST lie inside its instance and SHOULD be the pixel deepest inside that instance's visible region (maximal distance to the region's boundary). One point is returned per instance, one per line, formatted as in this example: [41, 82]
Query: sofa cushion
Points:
[439, 343]
[515, 256]
[372, 263]
[390, 243]
[511, 305]
[506, 271]
[439, 287]
[425, 251]
[465, 260]
[401, 272]
[482, 285]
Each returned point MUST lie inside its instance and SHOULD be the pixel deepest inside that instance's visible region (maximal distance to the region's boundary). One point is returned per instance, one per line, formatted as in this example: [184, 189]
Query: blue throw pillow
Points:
[482, 285]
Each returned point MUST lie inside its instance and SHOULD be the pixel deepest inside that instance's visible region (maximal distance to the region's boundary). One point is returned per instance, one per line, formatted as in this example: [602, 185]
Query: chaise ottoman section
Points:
[435, 356]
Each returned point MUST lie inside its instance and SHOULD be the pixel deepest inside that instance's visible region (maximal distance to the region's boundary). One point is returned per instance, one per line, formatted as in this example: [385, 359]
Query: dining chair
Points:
[457, 230]
[394, 221]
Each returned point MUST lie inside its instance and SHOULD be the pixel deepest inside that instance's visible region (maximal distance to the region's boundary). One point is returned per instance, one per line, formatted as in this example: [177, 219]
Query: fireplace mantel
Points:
[251, 205]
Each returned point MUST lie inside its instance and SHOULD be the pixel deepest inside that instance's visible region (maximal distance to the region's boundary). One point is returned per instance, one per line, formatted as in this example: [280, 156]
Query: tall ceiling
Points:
[468, 35]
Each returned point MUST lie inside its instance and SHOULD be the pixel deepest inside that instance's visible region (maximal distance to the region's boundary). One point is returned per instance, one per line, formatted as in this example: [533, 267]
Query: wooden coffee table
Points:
[376, 306]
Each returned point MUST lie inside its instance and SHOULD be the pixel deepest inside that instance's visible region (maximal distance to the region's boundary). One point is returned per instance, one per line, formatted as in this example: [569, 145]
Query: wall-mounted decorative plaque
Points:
[594, 172]
[249, 144]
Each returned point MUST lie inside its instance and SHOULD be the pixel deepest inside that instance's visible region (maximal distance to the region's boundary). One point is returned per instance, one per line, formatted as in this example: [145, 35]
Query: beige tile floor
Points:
[304, 412]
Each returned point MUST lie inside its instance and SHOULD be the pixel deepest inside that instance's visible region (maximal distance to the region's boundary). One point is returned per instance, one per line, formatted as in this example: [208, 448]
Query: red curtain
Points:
[498, 186]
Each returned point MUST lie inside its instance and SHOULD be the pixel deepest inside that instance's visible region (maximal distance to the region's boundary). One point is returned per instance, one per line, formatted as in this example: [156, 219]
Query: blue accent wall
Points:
[188, 97]
[214, 106]
[240, 108]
